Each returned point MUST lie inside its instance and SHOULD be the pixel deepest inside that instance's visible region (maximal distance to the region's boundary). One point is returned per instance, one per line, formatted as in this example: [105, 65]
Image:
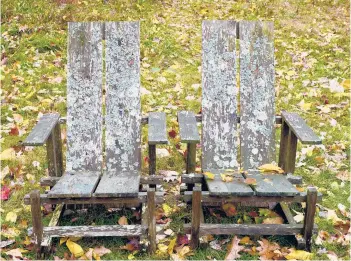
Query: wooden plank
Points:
[152, 159]
[237, 187]
[157, 133]
[36, 219]
[187, 127]
[75, 185]
[118, 185]
[191, 158]
[309, 216]
[84, 97]
[54, 152]
[151, 219]
[196, 217]
[299, 127]
[93, 231]
[278, 118]
[247, 229]
[284, 145]
[46, 243]
[192, 178]
[123, 111]
[41, 131]
[272, 185]
[294, 179]
[208, 200]
[257, 98]
[219, 91]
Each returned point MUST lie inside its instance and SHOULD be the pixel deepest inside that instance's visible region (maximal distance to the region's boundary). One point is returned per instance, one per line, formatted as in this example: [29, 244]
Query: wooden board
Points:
[75, 185]
[42, 130]
[157, 128]
[84, 97]
[118, 185]
[219, 91]
[187, 127]
[272, 185]
[237, 187]
[123, 111]
[299, 127]
[257, 107]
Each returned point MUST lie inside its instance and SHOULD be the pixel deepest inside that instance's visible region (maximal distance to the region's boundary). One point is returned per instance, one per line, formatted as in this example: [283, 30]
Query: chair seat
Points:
[266, 184]
[86, 184]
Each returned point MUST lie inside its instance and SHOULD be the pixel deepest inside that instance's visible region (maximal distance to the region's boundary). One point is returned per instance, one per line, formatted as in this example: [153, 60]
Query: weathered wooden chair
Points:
[103, 162]
[257, 121]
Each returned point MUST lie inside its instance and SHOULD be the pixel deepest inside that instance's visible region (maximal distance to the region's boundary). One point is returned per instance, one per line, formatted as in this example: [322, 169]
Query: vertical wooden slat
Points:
[84, 97]
[219, 92]
[257, 109]
[291, 153]
[36, 219]
[152, 159]
[284, 146]
[191, 158]
[151, 219]
[309, 215]
[54, 152]
[123, 111]
[195, 217]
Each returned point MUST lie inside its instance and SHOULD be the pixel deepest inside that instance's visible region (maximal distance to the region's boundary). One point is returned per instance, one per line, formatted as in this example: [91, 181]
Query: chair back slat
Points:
[257, 96]
[219, 91]
[84, 97]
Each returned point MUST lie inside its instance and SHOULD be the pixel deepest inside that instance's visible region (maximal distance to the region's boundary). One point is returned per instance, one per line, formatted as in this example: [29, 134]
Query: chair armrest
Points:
[299, 127]
[157, 128]
[42, 130]
[187, 127]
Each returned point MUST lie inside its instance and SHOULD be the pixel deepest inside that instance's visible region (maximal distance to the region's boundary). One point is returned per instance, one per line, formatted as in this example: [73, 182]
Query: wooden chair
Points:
[103, 161]
[220, 131]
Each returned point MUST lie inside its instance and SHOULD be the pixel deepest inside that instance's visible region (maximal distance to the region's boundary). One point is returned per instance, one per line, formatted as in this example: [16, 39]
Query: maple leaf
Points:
[122, 221]
[172, 134]
[234, 249]
[266, 249]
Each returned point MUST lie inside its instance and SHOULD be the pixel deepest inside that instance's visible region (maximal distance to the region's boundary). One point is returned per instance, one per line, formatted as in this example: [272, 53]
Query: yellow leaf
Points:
[74, 248]
[229, 209]
[273, 220]
[131, 257]
[8, 154]
[299, 255]
[171, 245]
[305, 106]
[271, 168]
[122, 221]
[167, 209]
[245, 240]
[209, 175]
[162, 247]
[63, 240]
[290, 73]
[11, 217]
[226, 178]
[346, 84]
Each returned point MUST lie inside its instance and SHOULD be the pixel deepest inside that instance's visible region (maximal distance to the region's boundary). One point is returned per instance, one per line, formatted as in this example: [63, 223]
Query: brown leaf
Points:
[266, 249]
[122, 221]
[273, 220]
[250, 181]
[234, 249]
[229, 209]
[100, 251]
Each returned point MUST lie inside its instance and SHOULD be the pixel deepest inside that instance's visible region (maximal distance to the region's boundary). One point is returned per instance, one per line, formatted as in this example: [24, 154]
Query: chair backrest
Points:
[85, 97]
[220, 94]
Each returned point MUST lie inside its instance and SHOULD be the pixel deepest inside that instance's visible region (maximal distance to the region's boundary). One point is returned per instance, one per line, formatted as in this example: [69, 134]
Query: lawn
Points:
[312, 78]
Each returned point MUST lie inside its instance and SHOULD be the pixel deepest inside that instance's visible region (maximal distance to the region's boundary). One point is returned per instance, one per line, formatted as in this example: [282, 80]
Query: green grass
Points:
[311, 39]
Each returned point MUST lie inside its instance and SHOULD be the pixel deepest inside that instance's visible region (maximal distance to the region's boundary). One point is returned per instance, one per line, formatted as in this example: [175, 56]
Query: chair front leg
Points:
[36, 220]
[309, 215]
[151, 206]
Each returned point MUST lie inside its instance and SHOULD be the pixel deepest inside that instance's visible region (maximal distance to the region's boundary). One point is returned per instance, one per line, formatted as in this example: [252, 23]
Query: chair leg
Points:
[36, 220]
[309, 216]
[195, 217]
[151, 220]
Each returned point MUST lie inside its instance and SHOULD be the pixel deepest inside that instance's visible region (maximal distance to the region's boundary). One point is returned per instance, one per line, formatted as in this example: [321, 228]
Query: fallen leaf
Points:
[63, 240]
[74, 248]
[226, 178]
[266, 249]
[234, 249]
[8, 154]
[182, 239]
[11, 217]
[100, 251]
[271, 168]
[251, 181]
[167, 209]
[6, 243]
[299, 255]
[171, 245]
[162, 248]
[122, 221]
[5, 193]
[14, 252]
[209, 175]
[245, 240]
[229, 209]
[215, 245]
[274, 220]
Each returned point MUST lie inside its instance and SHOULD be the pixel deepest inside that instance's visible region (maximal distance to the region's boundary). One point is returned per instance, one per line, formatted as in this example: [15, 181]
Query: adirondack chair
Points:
[90, 177]
[221, 118]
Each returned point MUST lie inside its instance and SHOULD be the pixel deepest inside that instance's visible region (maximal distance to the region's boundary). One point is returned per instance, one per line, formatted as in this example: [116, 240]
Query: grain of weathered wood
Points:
[219, 91]
[247, 229]
[272, 185]
[46, 244]
[152, 159]
[309, 216]
[75, 184]
[113, 184]
[294, 179]
[237, 187]
[93, 231]
[284, 146]
[123, 111]
[290, 159]
[151, 220]
[36, 219]
[191, 158]
[54, 152]
[41, 131]
[196, 217]
[208, 200]
[84, 97]
[157, 133]
[192, 178]
[188, 131]
[302, 131]
[257, 99]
